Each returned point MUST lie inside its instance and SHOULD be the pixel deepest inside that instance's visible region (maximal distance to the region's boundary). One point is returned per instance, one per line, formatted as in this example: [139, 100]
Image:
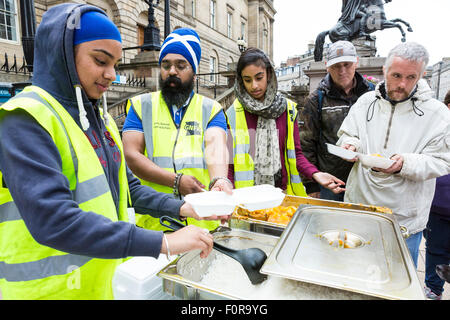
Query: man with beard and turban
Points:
[175, 139]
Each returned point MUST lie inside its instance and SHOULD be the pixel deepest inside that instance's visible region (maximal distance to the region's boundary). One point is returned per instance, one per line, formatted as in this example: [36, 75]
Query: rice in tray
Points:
[226, 275]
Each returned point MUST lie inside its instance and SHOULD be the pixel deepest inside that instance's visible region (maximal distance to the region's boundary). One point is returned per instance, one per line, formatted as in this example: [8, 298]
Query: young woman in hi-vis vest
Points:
[264, 132]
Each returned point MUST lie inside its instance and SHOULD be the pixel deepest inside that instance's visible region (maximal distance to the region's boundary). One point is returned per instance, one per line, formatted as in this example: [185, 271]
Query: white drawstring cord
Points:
[83, 118]
[105, 110]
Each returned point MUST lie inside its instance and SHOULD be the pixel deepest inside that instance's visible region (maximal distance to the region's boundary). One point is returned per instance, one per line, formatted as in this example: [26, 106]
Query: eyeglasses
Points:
[179, 66]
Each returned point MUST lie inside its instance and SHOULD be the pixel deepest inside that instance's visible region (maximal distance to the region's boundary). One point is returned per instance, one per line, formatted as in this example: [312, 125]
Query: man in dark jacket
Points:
[437, 234]
[324, 111]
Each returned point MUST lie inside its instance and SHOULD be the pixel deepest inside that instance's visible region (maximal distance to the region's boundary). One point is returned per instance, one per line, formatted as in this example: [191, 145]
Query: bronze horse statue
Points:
[359, 18]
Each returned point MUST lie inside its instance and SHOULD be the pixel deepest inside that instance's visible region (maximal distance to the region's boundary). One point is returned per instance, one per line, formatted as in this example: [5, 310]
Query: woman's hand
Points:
[189, 238]
[329, 181]
[223, 185]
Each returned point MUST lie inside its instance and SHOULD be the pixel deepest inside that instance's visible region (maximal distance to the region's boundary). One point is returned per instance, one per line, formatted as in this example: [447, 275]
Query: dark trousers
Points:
[437, 245]
[327, 194]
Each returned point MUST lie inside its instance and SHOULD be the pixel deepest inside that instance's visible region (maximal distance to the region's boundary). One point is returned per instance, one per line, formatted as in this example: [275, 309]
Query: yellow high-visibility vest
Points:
[29, 270]
[180, 150]
[243, 163]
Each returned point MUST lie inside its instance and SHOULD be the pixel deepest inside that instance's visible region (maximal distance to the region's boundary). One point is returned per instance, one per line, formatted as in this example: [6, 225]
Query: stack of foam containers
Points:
[136, 279]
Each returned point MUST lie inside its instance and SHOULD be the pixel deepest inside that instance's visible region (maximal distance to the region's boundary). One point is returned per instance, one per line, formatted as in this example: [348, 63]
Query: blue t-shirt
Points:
[133, 123]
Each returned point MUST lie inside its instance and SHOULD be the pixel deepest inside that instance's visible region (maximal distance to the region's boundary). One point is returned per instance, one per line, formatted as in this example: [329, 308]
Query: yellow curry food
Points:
[283, 214]
[280, 214]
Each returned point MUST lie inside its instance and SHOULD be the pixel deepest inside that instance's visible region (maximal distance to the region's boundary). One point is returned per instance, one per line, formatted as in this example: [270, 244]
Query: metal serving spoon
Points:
[251, 259]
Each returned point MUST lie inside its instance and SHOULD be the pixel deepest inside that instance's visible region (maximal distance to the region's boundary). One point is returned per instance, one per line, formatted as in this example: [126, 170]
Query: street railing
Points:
[9, 67]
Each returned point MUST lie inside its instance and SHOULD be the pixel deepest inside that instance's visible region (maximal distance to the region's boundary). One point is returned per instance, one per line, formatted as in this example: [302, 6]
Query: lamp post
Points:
[28, 22]
[151, 32]
[28, 30]
[439, 79]
[166, 18]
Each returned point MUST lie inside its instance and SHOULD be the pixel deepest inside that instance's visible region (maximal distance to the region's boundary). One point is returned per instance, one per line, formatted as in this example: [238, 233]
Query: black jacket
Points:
[316, 128]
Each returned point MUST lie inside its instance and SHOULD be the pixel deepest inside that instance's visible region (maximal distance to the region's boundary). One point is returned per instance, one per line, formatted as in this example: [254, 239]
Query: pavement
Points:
[420, 272]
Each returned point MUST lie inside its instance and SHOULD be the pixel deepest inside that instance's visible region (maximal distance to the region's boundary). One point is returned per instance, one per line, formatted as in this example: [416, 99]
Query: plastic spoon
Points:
[251, 259]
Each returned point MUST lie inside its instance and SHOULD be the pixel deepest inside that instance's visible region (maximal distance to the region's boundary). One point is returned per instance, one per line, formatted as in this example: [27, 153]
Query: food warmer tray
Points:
[352, 250]
[276, 229]
[182, 277]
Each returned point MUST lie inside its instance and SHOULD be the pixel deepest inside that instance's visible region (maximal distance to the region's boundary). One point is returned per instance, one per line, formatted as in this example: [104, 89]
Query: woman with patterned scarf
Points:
[264, 132]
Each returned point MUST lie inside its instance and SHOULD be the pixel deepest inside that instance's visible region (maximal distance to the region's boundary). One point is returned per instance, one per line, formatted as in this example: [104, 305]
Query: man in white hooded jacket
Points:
[399, 120]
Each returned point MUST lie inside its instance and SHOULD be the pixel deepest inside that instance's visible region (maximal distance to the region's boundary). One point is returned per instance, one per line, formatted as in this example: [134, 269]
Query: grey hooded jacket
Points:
[31, 164]
[418, 129]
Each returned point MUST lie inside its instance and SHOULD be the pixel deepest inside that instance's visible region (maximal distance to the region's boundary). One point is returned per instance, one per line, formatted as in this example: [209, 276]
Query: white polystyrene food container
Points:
[136, 279]
[219, 203]
[341, 152]
[366, 159]
[258, 197]
[211, 203]
[375, 162]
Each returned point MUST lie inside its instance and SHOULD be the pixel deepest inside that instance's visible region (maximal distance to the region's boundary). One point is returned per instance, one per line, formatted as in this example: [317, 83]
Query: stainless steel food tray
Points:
[259, 226]
[376, 261]
[182, 277]
[246, 223]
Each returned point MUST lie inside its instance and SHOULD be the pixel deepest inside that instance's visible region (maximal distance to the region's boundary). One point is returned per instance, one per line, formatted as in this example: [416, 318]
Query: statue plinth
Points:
[365, 48]
[370, 66]
[144, 65]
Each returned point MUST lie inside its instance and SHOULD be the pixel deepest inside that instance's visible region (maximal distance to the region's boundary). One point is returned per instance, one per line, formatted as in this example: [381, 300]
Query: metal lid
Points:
[346, 249]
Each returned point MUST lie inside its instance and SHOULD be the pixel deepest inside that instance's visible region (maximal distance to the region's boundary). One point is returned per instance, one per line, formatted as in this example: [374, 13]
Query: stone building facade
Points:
[439, 74]
[219, 23]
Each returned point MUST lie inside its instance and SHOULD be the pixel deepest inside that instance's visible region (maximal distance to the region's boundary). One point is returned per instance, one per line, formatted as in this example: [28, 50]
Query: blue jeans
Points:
[327, 194]
[437, 250]
[413, 244]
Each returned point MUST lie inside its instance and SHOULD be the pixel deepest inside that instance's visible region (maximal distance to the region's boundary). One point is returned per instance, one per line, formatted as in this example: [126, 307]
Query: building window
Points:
[193, 8]
[265, 40]
[242, 30]
[263, 37]
[141, 31]
[8, 23]
[212, 69]
[212, 13]
[230, 25]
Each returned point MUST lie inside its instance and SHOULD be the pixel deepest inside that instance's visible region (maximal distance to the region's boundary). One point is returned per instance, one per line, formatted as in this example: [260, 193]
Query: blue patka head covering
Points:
[95, 25]
[183, 41]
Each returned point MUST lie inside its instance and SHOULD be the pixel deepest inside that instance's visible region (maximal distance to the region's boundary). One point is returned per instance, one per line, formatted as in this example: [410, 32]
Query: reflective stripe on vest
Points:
[146, 114]
[85, 190]
[294, 184]
[33, 270]
[30, 270]
[243, 162]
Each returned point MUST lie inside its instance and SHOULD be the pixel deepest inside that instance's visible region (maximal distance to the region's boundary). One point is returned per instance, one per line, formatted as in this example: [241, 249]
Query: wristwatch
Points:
[176, 184]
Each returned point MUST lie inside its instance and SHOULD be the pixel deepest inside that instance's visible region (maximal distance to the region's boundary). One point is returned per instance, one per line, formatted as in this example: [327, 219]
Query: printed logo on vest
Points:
[291, 114]
[192, 128]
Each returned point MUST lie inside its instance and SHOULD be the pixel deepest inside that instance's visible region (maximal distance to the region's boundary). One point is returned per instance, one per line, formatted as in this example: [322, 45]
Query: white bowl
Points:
[341, 152]
[211, 203]
[375, 162]
[258, 197]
